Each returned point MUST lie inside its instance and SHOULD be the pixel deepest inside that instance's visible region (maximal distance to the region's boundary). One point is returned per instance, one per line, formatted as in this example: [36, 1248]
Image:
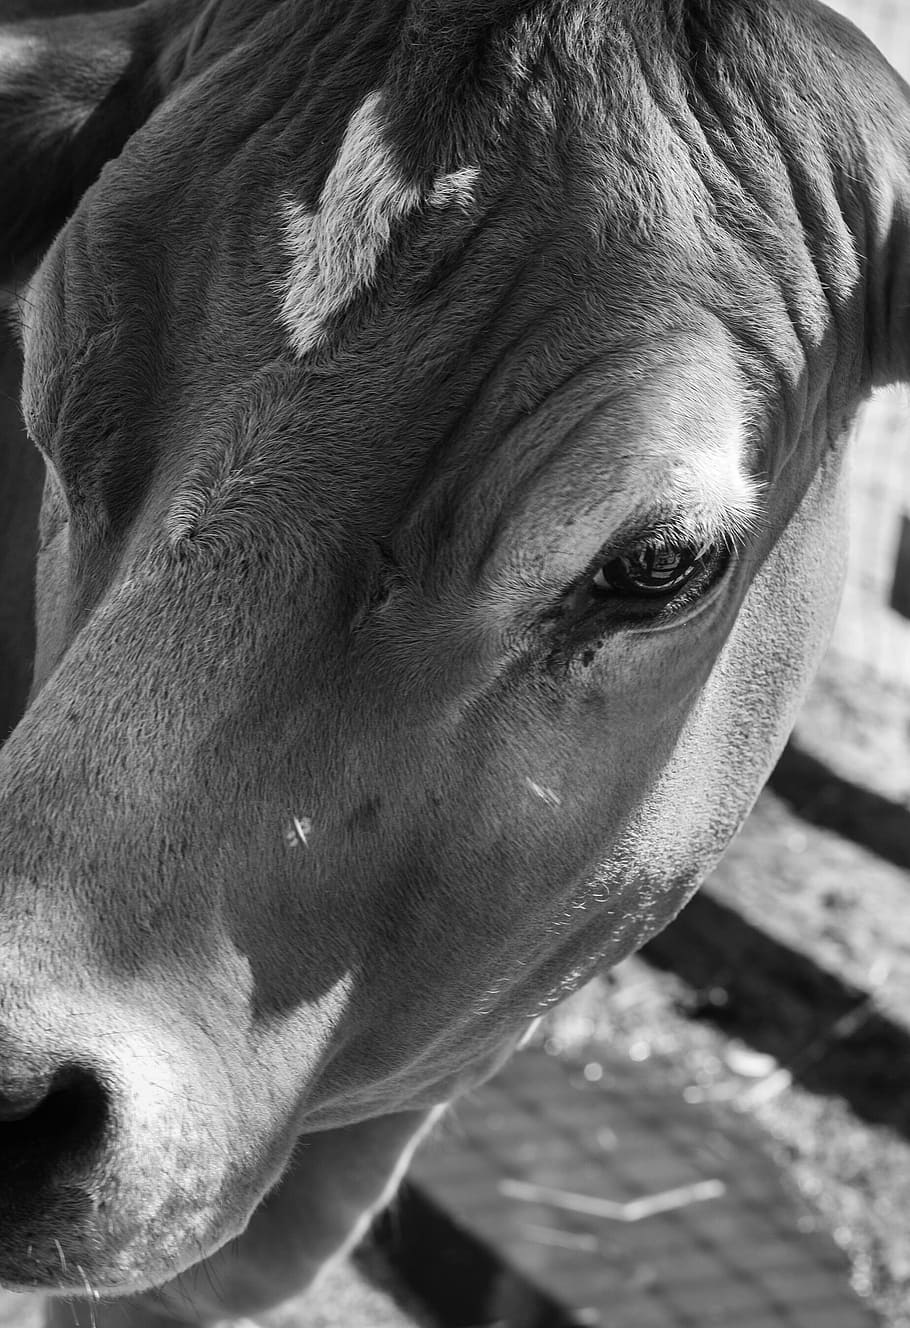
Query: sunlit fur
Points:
[356, 333]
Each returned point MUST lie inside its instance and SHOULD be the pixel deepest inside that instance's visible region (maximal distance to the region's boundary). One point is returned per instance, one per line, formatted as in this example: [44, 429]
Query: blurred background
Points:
[871, 643]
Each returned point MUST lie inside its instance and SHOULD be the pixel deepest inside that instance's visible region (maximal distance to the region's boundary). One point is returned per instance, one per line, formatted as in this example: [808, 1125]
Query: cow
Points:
[431, 453]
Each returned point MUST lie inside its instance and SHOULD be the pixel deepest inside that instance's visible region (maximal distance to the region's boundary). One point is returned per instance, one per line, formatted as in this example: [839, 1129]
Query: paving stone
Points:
[689, 1265]
[658, 1254]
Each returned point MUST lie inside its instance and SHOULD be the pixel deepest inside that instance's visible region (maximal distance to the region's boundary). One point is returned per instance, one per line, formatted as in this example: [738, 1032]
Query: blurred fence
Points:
[872, 634]
[873, 628]
[887, 22]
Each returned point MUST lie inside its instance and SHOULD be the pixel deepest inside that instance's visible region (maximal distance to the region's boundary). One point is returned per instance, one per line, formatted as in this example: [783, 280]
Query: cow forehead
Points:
[390, 299]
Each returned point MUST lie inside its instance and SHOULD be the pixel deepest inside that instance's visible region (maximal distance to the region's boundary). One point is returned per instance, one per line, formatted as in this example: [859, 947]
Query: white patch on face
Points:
[336, 249]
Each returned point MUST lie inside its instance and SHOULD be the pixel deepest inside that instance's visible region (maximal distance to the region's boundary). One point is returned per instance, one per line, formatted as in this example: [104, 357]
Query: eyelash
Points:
[618, 573]
[587, 607]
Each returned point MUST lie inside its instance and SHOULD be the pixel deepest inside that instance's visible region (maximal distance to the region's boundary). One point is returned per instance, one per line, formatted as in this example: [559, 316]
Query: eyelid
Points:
[14, 322]
[728, 525]
[585, 621]
[634, 540]
[664, 534]
[695, 564]
[665, 530]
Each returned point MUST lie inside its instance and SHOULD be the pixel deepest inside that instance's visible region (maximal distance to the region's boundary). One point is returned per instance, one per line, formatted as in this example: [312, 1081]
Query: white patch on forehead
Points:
[335, 250]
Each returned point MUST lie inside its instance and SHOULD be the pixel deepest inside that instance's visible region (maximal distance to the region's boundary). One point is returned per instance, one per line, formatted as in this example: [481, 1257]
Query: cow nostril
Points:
[54, 1124]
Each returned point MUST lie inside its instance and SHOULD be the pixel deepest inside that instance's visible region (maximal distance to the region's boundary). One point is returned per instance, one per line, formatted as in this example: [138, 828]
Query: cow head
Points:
[443, 411]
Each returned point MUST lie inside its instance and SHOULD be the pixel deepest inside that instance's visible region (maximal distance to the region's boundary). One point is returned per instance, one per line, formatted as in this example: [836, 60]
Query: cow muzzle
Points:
[57, 1123]
[115, 1164]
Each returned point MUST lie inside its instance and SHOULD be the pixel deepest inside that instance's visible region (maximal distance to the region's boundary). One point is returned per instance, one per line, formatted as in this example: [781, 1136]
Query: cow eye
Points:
[645, 570]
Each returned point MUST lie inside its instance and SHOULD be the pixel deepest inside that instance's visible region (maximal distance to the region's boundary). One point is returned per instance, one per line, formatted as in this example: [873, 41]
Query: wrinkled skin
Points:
[333, 774]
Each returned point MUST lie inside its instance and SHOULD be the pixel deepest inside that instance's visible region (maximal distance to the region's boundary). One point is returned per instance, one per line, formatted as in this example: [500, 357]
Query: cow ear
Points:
[72, 91]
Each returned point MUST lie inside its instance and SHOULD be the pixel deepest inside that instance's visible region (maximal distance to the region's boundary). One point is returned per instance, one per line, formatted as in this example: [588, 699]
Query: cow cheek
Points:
[745, 713]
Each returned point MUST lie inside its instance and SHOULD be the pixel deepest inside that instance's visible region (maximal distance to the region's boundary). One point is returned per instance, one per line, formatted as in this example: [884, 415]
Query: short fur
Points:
[357, 338]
